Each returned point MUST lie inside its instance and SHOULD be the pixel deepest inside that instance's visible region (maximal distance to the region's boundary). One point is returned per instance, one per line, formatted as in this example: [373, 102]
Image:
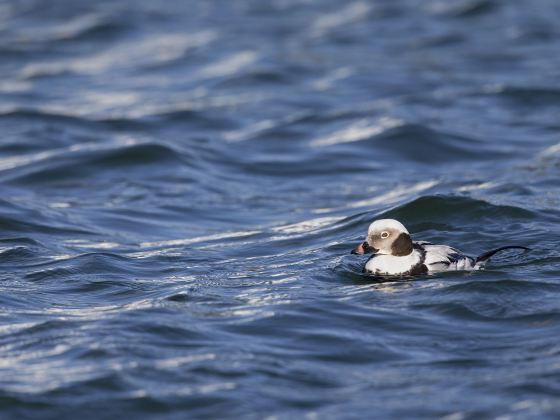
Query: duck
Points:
[396, 254]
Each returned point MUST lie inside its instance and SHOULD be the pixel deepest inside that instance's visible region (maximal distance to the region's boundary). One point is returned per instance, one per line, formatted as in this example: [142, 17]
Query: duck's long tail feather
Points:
[484, 257]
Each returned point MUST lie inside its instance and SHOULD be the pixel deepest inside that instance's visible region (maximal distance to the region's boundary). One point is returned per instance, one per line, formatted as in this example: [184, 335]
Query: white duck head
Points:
[386, 237]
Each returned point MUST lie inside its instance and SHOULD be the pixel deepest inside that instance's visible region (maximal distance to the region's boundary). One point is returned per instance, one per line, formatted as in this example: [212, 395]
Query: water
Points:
[182, 183]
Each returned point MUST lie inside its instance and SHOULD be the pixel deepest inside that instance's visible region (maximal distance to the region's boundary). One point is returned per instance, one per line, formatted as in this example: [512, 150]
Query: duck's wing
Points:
[444, 258]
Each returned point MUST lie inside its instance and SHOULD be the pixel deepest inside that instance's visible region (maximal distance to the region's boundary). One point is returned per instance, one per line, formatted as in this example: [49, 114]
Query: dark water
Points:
[182, 183]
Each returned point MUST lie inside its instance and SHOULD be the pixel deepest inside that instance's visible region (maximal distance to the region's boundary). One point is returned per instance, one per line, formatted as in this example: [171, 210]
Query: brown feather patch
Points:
[402, 245]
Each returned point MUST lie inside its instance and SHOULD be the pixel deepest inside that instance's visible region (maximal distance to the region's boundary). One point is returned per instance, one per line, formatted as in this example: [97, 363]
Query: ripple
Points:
[182, 184]
[87, 160]
[230, 65]
[458, 209]
[349, 14]
[147, 52]
[465, 9]
[79, 27]
[411, 142]
[529, 96]
[361, 130]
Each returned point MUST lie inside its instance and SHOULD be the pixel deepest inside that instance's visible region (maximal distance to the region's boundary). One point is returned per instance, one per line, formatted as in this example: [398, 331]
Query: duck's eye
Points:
[384, 235]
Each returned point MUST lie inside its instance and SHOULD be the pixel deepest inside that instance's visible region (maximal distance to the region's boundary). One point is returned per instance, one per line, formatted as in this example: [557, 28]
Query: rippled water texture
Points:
[182, 183]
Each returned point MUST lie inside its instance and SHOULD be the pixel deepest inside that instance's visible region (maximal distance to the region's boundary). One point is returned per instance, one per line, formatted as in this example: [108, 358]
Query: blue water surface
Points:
[182, 183]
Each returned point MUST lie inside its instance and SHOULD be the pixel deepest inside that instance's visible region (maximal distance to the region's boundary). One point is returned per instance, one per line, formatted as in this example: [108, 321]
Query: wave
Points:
[34, 114]
[393, 139]
[145, 52]
[527, 96]
[458, 210]
[96, 263]
[93, 160]
[419, 143]
[155, 118]
[466, 9]
[22, 226]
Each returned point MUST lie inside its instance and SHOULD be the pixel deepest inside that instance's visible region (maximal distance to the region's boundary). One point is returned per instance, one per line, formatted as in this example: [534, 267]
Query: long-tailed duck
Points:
[395, 253]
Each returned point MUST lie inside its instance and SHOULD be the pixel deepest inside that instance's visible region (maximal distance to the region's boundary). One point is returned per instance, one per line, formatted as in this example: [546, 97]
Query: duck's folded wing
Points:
[443, 257]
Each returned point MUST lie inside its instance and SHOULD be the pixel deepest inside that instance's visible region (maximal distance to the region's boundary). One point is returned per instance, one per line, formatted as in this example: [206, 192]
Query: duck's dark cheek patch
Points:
[402, 245]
